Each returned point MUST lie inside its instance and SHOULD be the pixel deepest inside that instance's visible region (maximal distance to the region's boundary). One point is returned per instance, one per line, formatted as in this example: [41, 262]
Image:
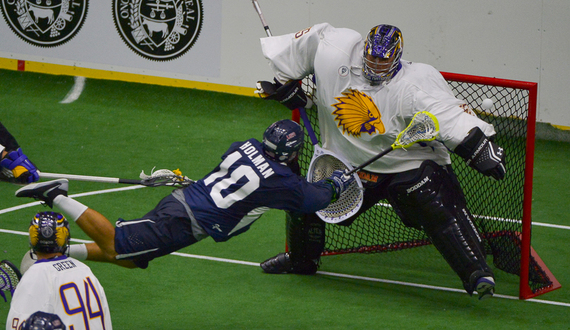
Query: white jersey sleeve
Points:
[291, 56]
[62, 286]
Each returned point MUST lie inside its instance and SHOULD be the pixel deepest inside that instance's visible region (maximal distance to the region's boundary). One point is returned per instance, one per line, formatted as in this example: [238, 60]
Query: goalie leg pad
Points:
[433, 201]
[306, 241]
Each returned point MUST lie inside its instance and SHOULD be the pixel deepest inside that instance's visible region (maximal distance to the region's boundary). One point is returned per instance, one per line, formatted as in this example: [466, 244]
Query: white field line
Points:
[75, 91]
[256, 264]
[534, 223]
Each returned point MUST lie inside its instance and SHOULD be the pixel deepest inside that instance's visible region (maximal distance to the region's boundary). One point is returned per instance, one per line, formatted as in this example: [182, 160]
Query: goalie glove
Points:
[23, 170]
[482, 154]
[290, 95]
[340, 183]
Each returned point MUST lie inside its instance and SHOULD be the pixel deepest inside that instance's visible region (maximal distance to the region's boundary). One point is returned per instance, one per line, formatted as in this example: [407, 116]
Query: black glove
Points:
[482, 154]
[290, 95]
[340, 183]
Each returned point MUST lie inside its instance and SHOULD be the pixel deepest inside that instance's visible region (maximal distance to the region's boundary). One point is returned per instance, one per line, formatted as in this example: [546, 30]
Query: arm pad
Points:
[290, 95]
[482, 154]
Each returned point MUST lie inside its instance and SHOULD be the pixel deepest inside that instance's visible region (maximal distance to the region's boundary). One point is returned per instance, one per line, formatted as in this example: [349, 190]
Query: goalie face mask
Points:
[382, 53]
[282, 140]
[49, 233]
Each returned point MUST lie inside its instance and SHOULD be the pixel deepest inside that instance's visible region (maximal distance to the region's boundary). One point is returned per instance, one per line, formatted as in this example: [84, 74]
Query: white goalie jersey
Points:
[62, 286]
[357, 120]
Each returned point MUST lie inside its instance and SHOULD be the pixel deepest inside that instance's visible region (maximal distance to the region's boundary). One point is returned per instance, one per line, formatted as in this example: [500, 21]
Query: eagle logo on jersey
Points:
[356, 113]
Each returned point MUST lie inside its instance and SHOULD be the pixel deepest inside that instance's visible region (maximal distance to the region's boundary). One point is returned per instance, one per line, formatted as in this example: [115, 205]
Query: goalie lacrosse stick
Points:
[156, 178]
[9, 278]
[324, 163]
[424, 127]
[322, 166]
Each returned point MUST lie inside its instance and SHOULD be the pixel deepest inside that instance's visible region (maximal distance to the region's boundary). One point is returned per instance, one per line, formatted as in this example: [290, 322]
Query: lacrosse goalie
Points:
[253, 177]
[365, 96]
[56, 283]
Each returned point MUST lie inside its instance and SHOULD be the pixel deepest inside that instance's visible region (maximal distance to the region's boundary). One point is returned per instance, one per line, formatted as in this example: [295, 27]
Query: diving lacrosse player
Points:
[56, 283]
[366, 94]
[252, 177]
[14, 164]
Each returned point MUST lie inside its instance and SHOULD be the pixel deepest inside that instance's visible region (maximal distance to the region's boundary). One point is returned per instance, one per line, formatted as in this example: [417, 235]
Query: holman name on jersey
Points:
[259, 161]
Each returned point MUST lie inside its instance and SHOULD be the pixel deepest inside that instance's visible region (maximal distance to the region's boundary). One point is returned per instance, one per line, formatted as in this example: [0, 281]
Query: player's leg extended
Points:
[431, 199]
[305, 240]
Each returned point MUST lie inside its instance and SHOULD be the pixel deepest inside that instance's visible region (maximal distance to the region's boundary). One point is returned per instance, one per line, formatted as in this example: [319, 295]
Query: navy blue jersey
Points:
[244, 186]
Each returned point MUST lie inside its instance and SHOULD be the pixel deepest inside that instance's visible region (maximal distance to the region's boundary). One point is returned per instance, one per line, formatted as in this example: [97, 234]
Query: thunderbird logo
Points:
[356, 113]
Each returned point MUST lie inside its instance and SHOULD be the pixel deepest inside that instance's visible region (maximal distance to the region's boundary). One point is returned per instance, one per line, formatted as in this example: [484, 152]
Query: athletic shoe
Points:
[282, 263]
[485, 287]
[44, 191]
[279, 264]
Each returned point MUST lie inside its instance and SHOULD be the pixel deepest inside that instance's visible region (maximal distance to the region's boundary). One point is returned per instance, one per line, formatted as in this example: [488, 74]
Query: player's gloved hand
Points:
[339, 182]
[22, 168]
[290, 95]
[482, 154]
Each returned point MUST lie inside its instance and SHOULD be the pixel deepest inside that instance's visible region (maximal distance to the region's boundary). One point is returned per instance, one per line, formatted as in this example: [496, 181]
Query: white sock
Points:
[69, 206]
[78, 251]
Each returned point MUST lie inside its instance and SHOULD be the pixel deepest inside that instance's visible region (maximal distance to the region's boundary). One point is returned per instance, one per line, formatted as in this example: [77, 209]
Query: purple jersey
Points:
[244, 186]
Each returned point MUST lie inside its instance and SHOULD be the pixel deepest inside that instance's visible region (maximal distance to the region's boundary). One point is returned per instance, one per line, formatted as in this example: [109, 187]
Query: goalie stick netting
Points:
[502, 209]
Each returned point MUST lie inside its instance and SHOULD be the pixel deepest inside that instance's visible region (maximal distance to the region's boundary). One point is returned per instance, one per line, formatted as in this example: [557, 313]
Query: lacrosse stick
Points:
[424, 127]
[156, 178]
[324, 163]
[9, 278]
[258, 10]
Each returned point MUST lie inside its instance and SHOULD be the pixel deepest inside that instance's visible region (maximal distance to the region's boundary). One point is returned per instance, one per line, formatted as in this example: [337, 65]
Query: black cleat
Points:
[281, 264]
[44, 191]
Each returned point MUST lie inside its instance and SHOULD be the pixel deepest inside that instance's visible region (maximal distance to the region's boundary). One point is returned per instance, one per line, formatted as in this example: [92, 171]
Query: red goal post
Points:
[502, 215]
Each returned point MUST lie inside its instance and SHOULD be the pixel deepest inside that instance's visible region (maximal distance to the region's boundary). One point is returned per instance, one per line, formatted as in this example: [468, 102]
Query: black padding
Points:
[305, 237]
[432, 200]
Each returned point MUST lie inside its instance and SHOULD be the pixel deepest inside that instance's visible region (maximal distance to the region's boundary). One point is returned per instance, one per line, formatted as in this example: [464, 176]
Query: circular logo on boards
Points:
[159, 30]
[45, 23]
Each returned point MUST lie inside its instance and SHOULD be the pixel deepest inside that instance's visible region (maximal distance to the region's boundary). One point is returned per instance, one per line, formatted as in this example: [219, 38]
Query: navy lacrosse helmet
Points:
[382, 53]
[49, 232]
[43, 321]
[282, 140]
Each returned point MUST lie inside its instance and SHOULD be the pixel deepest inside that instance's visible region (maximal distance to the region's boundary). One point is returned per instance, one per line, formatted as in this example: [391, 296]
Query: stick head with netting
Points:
[424, 127]
[322, 166]
[9, 278]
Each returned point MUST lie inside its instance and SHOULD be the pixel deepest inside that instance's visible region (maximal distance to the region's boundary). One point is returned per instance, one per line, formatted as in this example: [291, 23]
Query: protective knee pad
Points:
[305, 237]
[432, 200]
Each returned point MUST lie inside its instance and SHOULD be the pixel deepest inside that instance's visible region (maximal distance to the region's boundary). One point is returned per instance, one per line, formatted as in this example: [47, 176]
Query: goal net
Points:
[502, 209]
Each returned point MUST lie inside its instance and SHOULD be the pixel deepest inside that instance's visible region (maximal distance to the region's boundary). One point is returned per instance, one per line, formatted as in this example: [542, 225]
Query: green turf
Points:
[118, 129]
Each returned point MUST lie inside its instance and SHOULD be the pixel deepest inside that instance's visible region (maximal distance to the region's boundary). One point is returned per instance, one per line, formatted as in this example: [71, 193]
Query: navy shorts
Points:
[165, 229]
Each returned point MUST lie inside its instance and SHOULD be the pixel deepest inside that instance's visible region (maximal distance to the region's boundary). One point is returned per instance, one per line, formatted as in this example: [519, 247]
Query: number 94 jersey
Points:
[62, 286]
[244, 186]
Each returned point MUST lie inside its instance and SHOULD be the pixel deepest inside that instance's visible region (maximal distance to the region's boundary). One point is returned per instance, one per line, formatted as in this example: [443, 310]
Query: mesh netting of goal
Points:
[502, 209]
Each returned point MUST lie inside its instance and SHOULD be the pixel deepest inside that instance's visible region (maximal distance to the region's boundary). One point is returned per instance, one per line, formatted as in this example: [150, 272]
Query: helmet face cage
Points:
[282, 140]
[384, 42]
[49, 233]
